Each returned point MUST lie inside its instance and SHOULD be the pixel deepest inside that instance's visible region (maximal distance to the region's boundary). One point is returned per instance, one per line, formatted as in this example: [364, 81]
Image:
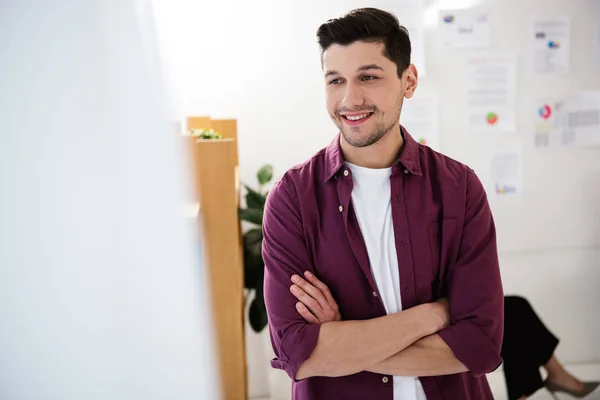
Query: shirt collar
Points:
[408, 158]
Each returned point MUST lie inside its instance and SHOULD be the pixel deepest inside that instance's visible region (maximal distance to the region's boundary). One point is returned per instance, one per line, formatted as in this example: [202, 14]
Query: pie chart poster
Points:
[491, 93]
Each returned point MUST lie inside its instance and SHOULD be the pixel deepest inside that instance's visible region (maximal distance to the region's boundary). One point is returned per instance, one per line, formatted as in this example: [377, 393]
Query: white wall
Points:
[258, 62]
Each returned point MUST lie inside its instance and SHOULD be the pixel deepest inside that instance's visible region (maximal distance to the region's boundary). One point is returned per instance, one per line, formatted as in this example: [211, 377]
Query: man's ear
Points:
[410, 80]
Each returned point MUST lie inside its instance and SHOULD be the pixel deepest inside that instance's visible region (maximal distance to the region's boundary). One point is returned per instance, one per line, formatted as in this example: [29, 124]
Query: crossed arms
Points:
[400, 344]
[425, 340]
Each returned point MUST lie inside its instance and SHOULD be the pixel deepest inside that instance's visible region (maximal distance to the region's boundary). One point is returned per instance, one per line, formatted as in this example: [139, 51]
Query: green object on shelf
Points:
[209, 134]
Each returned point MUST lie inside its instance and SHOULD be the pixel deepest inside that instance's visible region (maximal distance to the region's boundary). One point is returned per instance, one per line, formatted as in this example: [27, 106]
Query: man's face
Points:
[363, 90]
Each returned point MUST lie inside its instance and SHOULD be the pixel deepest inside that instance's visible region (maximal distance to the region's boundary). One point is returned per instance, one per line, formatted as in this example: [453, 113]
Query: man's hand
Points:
[316, 304]
[441, 312]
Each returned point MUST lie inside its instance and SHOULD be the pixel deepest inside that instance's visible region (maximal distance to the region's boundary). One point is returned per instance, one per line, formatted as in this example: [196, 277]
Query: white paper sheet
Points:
[410, 14]
[506, 171]
[574, 122]
[420, 118]
[547, 115]
[551, 44]
[491, 93]
[465, 28]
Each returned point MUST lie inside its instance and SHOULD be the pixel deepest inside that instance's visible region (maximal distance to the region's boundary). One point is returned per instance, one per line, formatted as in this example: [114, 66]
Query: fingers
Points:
[307, 300]
[323, 288]
[312, 291]
[316, 298]
[306, 314]
[321, 314]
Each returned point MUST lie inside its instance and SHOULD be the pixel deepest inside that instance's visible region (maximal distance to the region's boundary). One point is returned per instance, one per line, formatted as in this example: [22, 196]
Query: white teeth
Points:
[357, 117]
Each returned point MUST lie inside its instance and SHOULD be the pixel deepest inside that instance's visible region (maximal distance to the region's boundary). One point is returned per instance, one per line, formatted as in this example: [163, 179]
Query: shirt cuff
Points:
[472, 347]
[298, 347]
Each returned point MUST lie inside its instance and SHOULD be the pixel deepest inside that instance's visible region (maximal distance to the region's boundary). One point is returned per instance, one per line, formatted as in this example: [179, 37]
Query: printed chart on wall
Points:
[465, 28]
[551, 45]
[420, 118]
[410, 13]
[491, 93]
[506, 171]
[547, 114]
[570, 122]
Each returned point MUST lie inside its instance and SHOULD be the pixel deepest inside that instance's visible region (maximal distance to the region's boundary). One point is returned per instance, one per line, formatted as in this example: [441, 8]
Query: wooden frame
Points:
[215, 173]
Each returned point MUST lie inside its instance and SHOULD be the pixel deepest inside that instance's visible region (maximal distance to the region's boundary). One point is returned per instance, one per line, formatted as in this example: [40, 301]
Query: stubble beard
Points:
[354, 138]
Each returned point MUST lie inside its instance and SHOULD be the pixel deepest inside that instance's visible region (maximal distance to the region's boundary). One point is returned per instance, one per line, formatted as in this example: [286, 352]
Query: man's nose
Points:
[353, 97]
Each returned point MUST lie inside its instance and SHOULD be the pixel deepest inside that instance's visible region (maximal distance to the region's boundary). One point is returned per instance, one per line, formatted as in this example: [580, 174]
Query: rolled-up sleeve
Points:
[475, 288]
[285, 253]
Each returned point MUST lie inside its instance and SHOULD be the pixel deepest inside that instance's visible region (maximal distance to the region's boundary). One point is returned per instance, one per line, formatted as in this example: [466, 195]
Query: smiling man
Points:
[381, 267]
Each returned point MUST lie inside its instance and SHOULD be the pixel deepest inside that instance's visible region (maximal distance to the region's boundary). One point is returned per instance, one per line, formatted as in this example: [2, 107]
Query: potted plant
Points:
[254, 266]
[206, 134]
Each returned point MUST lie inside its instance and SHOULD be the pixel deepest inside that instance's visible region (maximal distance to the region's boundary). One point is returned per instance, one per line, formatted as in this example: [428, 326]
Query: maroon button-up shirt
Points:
[446, 245]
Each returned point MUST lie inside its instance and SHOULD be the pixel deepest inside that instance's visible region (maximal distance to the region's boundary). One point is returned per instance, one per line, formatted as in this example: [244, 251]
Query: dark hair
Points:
[369, 25]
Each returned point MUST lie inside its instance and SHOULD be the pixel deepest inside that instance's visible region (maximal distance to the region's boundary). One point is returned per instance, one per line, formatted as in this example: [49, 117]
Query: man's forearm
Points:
[348, 347]
[429, 356]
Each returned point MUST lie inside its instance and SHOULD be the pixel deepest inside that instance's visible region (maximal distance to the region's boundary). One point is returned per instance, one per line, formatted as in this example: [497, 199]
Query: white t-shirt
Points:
[371, 198]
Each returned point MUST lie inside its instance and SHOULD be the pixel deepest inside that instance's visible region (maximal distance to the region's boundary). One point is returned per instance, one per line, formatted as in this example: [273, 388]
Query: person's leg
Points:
[558, 375]
[522, 378]
[527, 345]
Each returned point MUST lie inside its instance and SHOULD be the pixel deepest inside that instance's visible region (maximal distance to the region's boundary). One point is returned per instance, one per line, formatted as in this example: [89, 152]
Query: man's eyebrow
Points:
[361, 68]
[370, 66]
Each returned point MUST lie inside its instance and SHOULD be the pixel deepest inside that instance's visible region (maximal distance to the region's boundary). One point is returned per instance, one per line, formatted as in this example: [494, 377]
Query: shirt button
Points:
[374, 294]
[405, 170]
[346, 172]
[341, 208]
[385, 379]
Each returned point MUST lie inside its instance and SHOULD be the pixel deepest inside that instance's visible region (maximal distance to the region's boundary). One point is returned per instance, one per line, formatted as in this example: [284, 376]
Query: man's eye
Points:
[335, 81]
[369, 78]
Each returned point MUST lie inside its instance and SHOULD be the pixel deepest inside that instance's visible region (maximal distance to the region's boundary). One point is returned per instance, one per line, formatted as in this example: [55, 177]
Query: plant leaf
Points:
[254, 271]
[253, 262]
[265, 174]
[258, 314]
[253, 236]
[252, 215]
[253, 242]
[254, 199]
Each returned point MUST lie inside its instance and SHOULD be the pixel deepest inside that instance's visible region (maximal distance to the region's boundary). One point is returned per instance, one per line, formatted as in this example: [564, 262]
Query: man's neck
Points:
[381, 154]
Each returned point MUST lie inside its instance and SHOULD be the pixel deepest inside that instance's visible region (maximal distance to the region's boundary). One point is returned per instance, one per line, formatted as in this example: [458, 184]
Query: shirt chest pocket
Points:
[444, 239]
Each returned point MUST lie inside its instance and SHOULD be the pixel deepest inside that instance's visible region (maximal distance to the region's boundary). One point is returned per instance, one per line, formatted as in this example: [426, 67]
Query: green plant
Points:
[205, 134]
[254, 265]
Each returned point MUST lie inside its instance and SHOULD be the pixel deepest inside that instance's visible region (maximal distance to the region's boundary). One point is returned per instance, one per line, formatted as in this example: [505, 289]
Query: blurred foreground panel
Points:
[100, 278]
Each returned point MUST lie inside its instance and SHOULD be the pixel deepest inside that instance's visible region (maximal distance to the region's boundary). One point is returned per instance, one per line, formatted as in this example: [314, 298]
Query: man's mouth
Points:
[356, 119]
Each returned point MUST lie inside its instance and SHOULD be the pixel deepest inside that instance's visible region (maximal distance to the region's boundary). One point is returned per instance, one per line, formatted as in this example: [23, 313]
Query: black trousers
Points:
[527, 345]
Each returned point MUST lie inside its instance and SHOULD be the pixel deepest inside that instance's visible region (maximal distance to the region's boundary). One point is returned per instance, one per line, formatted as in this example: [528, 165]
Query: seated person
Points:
[529, 345]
